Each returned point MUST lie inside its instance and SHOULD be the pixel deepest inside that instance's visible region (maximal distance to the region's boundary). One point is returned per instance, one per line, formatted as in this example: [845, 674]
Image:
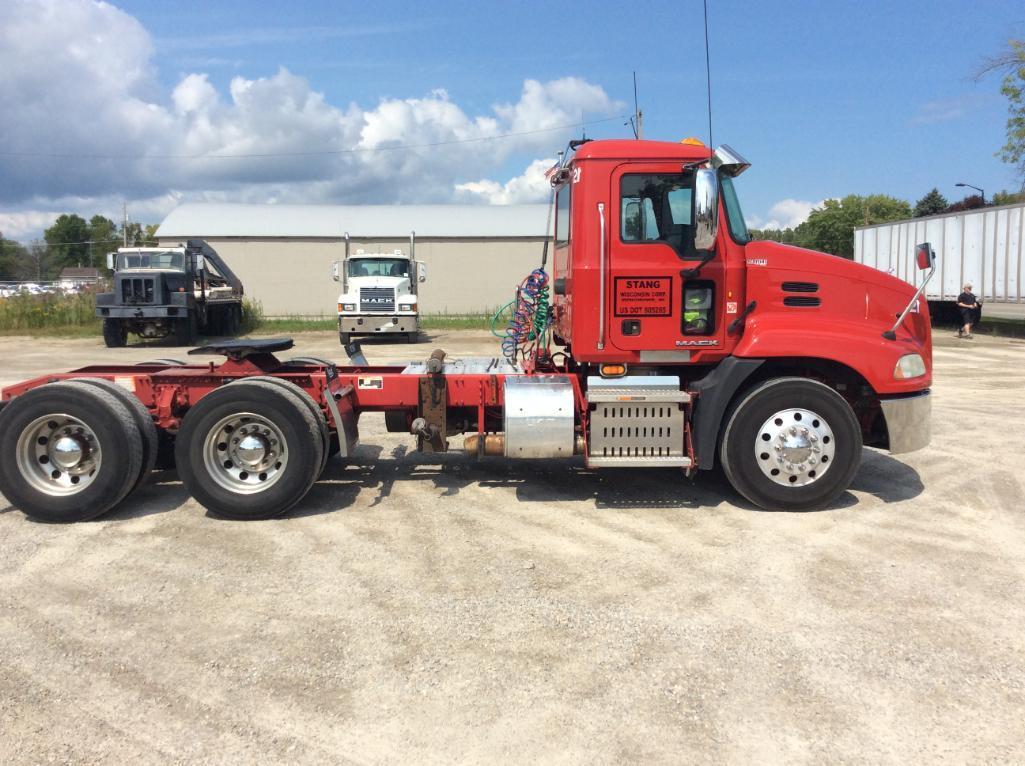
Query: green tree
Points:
[831, 227]
[1011, 62]
[971, 202]
[932, 203]
[104, 238]
[1008, 198]
[68, 239]
[13, 260]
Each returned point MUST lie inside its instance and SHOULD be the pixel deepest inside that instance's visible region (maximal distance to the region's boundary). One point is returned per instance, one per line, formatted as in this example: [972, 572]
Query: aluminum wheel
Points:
[244, 453]
[58, 454]
[794, 447]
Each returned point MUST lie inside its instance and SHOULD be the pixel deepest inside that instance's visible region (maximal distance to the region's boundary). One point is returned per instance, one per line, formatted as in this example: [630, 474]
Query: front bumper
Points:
[142, 311]
[372, 325]
[908, 421]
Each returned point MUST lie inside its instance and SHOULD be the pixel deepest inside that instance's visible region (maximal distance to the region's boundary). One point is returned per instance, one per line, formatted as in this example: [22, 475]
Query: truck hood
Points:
[848, 290]
[401, 283]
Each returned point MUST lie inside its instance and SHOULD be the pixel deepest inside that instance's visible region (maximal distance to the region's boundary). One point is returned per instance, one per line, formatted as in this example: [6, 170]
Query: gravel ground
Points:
[424, 609]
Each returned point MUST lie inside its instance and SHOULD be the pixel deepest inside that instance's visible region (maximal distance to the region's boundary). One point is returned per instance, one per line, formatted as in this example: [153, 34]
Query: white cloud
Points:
[86, 120]
[947, 110]
[529, 186]
[785, 214]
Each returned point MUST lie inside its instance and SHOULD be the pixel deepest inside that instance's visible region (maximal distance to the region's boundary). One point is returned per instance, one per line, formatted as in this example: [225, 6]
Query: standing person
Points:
[969, 307]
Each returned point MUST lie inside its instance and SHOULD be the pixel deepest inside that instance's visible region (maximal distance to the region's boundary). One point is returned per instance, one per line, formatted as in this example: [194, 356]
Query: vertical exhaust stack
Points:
[413, 288]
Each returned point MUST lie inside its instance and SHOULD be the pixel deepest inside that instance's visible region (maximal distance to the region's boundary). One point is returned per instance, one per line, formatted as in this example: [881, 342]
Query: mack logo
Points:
[649, 283]
[376, 300]
[697, 343]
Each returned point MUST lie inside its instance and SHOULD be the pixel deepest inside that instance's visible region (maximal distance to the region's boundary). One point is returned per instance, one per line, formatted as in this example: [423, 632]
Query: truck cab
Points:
[169, 291]
[655, 277]
[379, 294]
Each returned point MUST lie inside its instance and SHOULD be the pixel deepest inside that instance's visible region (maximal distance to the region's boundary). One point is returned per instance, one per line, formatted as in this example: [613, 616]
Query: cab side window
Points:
[562, 232]
[657, 208]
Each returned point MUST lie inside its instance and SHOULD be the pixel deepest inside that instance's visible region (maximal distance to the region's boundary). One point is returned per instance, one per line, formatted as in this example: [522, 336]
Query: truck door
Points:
[654, 304]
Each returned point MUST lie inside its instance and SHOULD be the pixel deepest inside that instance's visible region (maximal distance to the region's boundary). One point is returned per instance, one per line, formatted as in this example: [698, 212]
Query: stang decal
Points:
[643, 297]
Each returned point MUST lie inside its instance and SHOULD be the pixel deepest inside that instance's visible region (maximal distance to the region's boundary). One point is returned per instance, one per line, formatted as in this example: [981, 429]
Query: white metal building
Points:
[476, 255]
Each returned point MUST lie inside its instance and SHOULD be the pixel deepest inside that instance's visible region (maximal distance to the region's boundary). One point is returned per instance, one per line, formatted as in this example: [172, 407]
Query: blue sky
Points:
[825, 99]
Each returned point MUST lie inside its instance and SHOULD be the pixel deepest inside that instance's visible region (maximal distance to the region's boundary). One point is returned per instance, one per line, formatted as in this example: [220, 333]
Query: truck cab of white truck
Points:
[379, 293]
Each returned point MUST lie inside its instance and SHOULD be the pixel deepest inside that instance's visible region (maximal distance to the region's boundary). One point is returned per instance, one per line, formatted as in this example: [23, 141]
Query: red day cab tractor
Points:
[662, 338]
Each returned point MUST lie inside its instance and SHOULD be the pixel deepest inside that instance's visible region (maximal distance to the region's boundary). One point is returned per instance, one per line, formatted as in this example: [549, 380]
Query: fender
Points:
[715, 391]
[856, 344]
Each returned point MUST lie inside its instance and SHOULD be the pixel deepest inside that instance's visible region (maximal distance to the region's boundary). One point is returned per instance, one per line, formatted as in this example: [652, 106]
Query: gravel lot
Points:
[417, 609]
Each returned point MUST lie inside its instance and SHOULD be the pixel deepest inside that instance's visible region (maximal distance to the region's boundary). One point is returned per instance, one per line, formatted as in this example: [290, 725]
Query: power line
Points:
[324, 153]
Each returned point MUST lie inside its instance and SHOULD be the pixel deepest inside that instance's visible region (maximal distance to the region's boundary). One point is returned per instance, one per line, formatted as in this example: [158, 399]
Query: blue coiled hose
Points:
[529, 320]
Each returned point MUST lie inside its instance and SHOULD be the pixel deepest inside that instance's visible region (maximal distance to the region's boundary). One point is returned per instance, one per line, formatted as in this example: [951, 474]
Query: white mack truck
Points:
[379, 293]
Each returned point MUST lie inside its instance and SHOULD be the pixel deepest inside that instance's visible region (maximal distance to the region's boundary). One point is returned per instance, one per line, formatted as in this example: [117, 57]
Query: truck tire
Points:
[412, 337]
[234, 320]
[344, 338]
[186, 330]
[115, 334]
[249, 450]
[143, 422]
[68, 452]
[790, 444]
[161, 363]
[307, 402]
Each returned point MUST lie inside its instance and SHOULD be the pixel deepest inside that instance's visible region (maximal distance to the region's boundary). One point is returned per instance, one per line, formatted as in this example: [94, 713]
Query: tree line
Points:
[830, 228]
[70, 241]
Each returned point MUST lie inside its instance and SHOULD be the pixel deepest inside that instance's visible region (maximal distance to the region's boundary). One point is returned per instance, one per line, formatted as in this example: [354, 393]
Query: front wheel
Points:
[344, 338]
[791, 444]
[115, 334]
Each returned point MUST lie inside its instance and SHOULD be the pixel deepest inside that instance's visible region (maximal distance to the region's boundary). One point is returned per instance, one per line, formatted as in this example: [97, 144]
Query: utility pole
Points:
[124, 226]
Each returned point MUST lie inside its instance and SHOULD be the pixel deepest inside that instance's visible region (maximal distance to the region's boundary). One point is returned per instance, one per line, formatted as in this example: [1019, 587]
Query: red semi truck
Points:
[662, 337]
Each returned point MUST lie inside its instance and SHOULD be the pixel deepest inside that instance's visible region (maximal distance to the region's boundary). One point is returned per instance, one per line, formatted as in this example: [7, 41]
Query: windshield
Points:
[738, 228]
[379, 267]
[142, 260]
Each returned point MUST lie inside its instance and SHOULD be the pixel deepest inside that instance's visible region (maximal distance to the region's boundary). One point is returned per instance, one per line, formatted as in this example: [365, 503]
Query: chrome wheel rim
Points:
[59, 455]
[245, 453]
[795, 447]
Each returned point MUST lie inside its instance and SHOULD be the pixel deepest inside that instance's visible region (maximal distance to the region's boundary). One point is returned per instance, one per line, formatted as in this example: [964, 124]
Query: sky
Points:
[157, 103]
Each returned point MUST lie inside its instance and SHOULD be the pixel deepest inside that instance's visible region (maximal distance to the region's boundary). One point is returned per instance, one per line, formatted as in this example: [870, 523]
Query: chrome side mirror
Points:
[335, 275]
[421, 271]
[200, 262]
[110, 260]
[706, 208]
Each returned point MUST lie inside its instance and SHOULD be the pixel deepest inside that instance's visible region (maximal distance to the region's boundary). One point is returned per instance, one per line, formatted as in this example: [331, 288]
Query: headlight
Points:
[407, 307]
[346, 306]
[909, 366]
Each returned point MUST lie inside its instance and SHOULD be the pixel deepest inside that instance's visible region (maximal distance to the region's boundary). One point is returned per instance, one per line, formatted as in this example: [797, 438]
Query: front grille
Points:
[137, 290]
[381, 299]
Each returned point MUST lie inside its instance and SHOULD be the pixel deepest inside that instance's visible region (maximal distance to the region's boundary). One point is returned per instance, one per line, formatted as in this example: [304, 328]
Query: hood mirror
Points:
[925, 257]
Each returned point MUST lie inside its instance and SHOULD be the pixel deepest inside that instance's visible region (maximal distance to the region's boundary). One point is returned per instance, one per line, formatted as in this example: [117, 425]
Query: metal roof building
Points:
[475, 254]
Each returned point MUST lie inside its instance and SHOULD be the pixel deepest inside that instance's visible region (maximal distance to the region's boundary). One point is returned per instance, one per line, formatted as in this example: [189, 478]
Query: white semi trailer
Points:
[984, 247]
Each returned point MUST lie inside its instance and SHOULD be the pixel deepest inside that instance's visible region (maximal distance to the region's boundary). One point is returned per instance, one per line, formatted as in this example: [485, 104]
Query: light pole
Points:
[980, 191]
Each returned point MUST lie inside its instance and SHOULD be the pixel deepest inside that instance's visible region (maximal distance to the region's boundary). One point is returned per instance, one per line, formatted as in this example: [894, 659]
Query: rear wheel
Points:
[143, 422]
[791, 444]
[68, 452]
[115, 334]
[161, 363]
[310, 405]
[186, 330]
[249, 450]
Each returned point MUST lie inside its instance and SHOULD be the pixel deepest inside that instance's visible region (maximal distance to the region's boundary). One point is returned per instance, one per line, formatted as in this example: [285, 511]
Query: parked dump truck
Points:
[662, 338]
[170, 291]
[983, 247]
[379, 293]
